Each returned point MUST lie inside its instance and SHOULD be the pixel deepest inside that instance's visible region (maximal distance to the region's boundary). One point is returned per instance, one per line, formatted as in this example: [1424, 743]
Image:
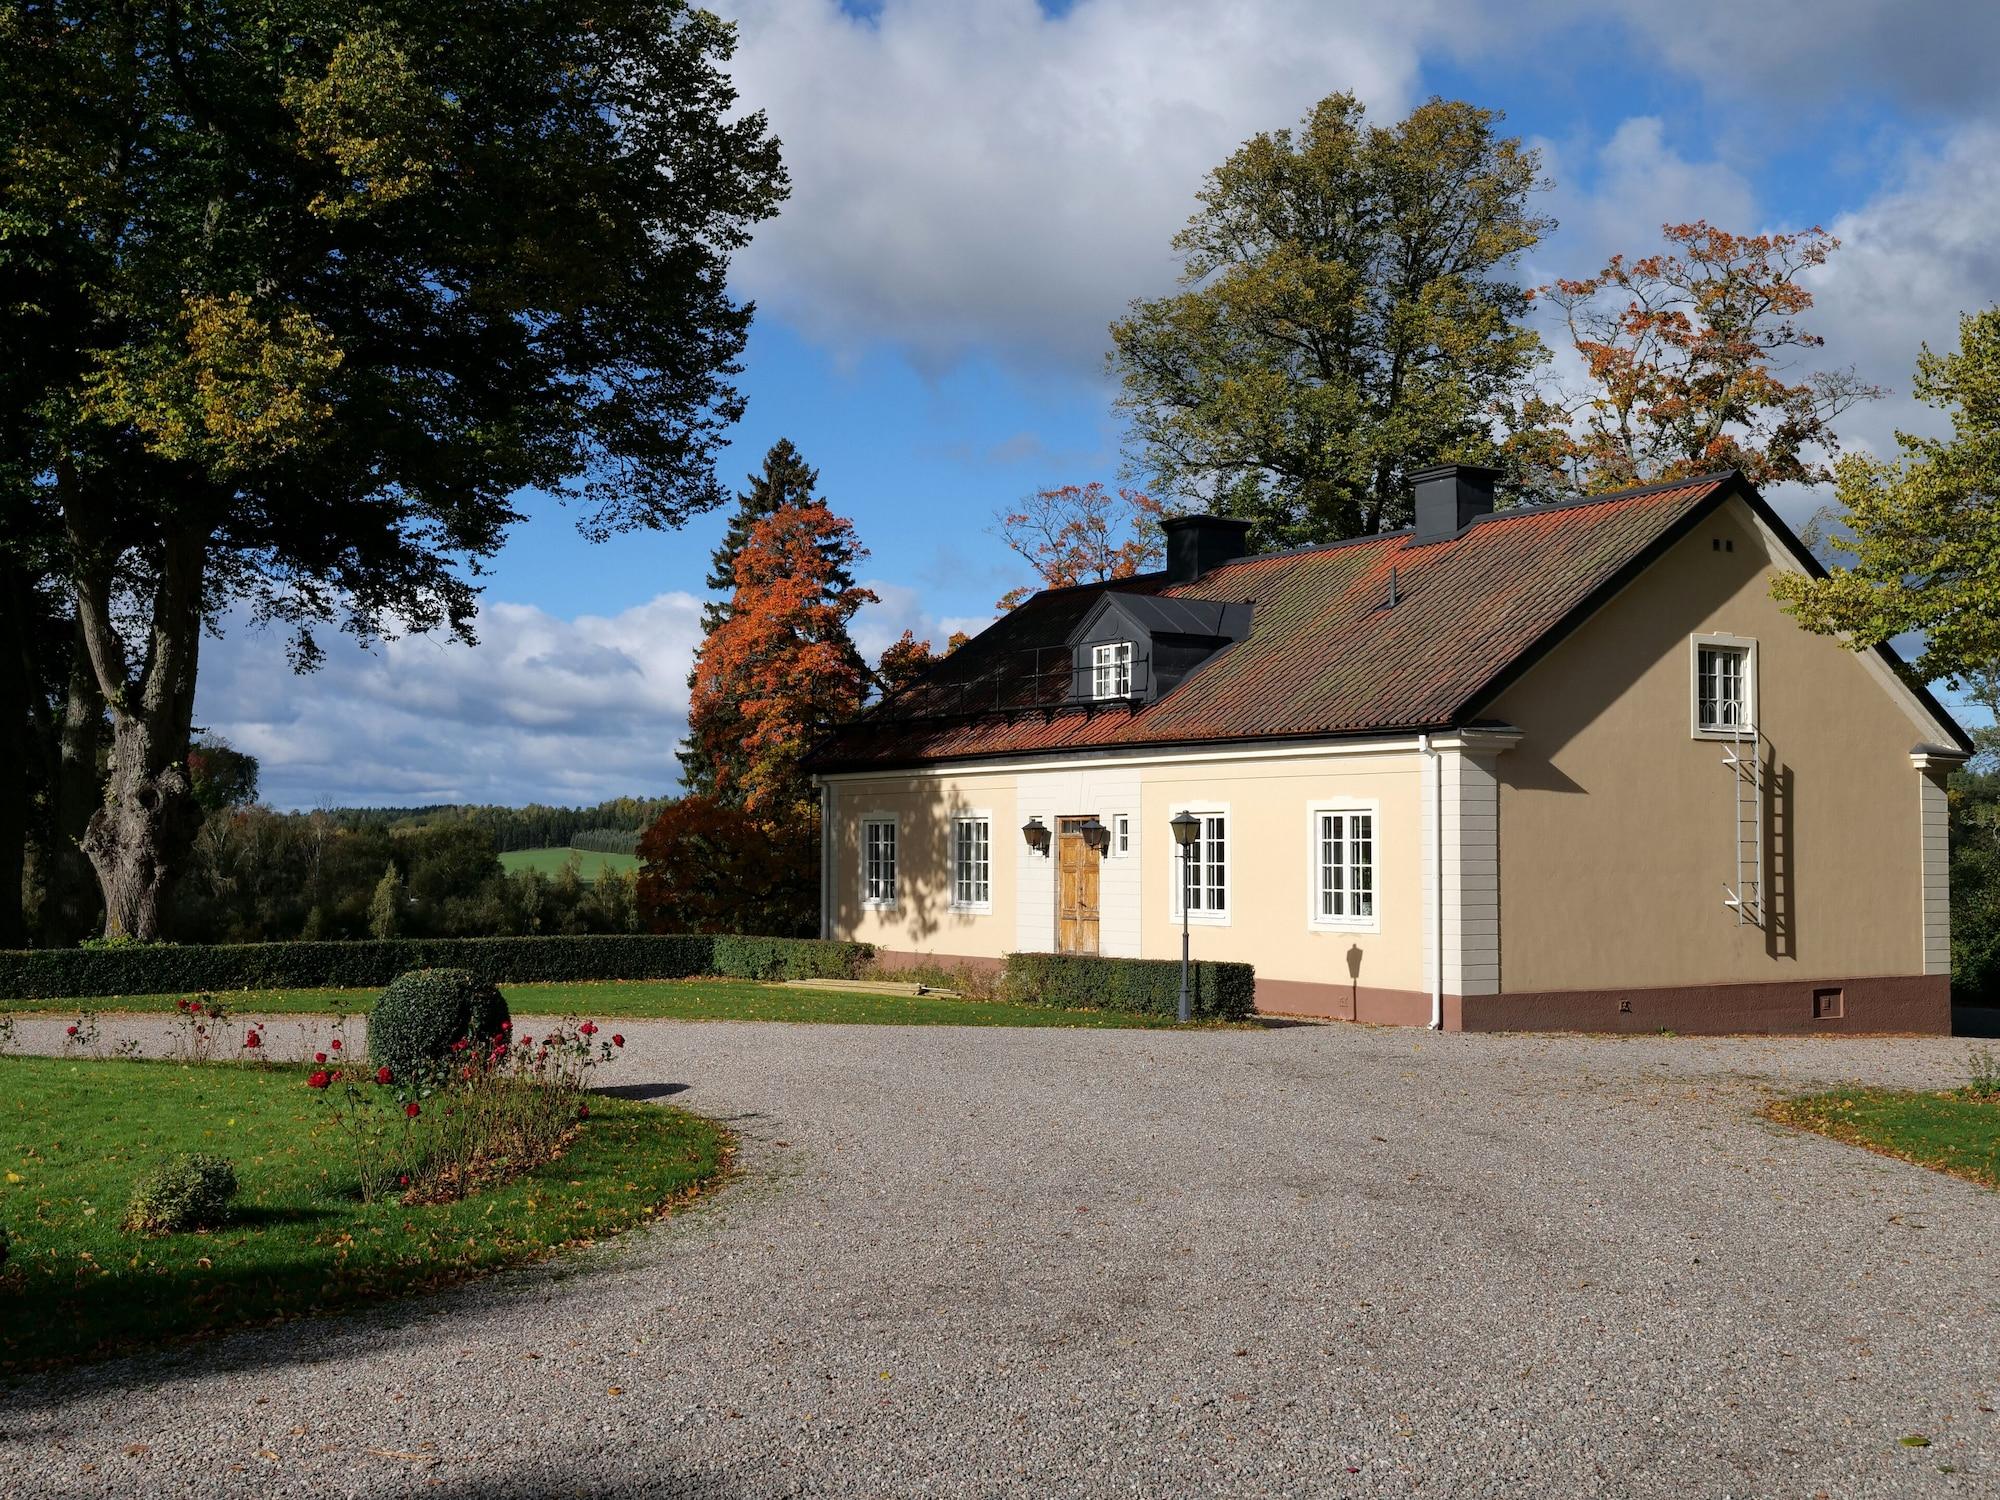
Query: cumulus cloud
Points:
[542, 709]
[878, 626]
[990, 177]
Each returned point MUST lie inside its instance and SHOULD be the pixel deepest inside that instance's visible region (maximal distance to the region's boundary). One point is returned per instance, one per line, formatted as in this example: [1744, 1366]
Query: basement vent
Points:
[1828, 1005]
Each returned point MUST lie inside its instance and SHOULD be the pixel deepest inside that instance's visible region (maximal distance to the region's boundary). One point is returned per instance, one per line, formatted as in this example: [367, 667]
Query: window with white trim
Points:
[1725, 699]
[972, 864]
[878, 861]
[1121, 835]
[1201, 879]
[1343, 866]
[1111, 670]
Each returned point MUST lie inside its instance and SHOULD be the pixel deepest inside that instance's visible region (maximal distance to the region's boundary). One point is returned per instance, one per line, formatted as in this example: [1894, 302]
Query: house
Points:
[1562, 766]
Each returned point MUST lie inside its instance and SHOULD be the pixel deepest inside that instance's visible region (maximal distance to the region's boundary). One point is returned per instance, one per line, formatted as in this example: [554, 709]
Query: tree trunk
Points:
[71, 909]
[18, 742]
[139, 840]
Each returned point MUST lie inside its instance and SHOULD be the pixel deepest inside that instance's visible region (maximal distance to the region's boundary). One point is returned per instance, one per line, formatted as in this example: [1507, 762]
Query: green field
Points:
[75, 1135]
[664, 999]
[549, 861]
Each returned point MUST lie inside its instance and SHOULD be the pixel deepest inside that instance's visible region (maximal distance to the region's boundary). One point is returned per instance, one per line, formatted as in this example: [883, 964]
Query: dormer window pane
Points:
[1111, 670]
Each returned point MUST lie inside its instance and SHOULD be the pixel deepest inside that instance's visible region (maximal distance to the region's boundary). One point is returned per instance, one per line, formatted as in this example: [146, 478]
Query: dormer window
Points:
[1111, 670]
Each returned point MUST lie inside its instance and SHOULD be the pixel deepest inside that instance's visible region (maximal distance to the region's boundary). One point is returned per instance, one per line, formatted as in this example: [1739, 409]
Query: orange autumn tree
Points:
[782, 668]
[776, 672]
[907, 658]
[1081, 534]
[1687, 359]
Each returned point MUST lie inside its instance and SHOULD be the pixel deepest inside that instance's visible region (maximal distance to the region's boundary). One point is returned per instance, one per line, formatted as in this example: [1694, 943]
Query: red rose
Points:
[336, 1044]
[72, 1031]
[459, 1045]
[319, 1057]
[319, 1080]
[253, 1040]
[180, 1005]
[506, 1025]
[617, 1040]
[583, 1111]
[383, 1075]
[404, 1180]
[411, 1109]
[527, 1041]
[588, 1028]
[195, 1009]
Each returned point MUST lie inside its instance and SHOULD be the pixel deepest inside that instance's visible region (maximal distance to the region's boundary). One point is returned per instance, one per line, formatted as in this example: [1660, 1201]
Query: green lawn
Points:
[670, 999]
[1956, 1132]
[548, 861]
[74, 1136]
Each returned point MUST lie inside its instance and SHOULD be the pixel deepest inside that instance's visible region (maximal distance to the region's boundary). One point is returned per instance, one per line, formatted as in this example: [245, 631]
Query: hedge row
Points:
[1151, 986]
[169, 969]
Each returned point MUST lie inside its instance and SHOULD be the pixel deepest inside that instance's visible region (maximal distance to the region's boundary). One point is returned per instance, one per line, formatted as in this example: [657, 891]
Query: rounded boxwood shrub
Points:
[420, 1015]
[190, 1192]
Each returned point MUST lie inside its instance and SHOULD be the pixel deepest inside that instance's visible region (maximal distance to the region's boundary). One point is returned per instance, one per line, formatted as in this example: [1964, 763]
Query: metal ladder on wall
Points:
[1743, 759]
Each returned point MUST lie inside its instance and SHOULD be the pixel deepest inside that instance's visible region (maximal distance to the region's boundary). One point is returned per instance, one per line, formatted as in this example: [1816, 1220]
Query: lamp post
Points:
[1187, 828]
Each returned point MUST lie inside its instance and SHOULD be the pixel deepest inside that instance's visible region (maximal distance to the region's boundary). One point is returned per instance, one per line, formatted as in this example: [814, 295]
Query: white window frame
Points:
[869, 823]
[1343, 807]
[1723, 641]
[1202, 917]
[959, 820]
[1111, 670]
[1121, 835]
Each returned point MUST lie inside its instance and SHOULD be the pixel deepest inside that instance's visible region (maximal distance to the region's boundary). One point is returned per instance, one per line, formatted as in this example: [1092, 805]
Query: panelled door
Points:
[1076, 888]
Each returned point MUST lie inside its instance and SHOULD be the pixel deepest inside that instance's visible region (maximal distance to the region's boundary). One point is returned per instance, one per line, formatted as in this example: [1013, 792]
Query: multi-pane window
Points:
[878, 861]
[1111, 670]
[1344, 848]
[1121, 835]
[1722, 687]
[1205, 868]
[972, 862]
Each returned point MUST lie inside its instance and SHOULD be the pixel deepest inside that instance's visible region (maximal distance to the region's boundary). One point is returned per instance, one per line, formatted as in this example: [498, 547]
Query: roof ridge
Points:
[1573, 502]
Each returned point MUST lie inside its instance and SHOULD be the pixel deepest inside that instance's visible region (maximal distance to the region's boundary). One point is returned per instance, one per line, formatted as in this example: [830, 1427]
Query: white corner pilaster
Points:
[1462, 860]
[1934, 843]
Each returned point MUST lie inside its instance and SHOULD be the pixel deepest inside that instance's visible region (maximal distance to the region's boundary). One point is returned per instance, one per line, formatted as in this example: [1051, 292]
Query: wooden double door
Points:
[1077, 869]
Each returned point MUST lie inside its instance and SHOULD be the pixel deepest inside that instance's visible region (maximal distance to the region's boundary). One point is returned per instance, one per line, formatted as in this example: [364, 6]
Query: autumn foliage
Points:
[1081, 534]
[708, 867]
[781, 669]
[1685, 357]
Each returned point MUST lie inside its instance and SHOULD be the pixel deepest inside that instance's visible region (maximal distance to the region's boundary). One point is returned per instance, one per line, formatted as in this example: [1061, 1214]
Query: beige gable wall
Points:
[1267, 796]
[1615, 824]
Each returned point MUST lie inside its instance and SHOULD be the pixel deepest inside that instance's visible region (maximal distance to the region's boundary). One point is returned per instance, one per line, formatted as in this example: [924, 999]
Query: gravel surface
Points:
[1321, 1261]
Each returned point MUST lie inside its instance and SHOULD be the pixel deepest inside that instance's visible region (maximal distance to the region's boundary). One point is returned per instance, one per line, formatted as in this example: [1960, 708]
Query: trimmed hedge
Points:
[169, 968]
[1149, 986]
[192, 1191]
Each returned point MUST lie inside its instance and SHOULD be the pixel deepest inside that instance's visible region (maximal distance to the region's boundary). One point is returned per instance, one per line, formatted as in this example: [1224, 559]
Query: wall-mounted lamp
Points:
[1037, 835]
[1096, 835]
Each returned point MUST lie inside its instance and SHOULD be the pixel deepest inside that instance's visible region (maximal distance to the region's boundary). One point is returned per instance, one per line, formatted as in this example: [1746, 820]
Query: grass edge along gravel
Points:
[1953, 1131]
[665, 999]
[76, 1133]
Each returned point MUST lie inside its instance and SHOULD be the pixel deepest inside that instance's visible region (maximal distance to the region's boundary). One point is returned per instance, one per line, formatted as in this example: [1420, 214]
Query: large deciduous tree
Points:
[1686, 360]
[1347, 316]
[317, 286]
[1081, 534]
[1923, 529]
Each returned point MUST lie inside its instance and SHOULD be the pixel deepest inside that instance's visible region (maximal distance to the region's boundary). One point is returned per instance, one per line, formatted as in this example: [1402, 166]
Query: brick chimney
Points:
[1450, 497]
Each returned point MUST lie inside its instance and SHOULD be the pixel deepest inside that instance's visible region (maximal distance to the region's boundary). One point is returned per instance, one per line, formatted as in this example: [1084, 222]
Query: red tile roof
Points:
[1326, 655]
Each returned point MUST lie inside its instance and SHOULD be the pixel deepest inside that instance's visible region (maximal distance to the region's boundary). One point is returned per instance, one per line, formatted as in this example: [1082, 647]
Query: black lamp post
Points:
[1187, 828]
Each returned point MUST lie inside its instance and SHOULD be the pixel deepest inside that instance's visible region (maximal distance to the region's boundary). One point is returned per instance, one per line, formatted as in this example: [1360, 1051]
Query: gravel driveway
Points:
[1314, 1261]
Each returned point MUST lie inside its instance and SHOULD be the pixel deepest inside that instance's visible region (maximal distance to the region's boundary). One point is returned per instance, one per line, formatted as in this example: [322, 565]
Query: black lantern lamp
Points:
[1096, 835]
[1187, 829]
[1037, 835]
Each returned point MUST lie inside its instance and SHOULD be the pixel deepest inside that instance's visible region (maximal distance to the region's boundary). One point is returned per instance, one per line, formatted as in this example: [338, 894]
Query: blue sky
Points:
[980, 185]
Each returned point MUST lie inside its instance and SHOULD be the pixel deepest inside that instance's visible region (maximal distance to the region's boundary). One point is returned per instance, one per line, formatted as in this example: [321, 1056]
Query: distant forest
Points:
[612, 827]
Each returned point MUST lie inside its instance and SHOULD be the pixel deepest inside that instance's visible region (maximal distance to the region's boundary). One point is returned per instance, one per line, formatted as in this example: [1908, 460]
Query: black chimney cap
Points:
[1449, 498]
[1197, 544]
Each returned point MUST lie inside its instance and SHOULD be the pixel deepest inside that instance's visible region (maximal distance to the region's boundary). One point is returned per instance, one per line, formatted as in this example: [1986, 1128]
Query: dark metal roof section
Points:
[1323, 657]
[1201, 544]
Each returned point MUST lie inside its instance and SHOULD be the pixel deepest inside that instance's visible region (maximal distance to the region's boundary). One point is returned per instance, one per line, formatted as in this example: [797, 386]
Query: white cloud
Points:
[542, 709]
[878, 626]
[986, 177]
